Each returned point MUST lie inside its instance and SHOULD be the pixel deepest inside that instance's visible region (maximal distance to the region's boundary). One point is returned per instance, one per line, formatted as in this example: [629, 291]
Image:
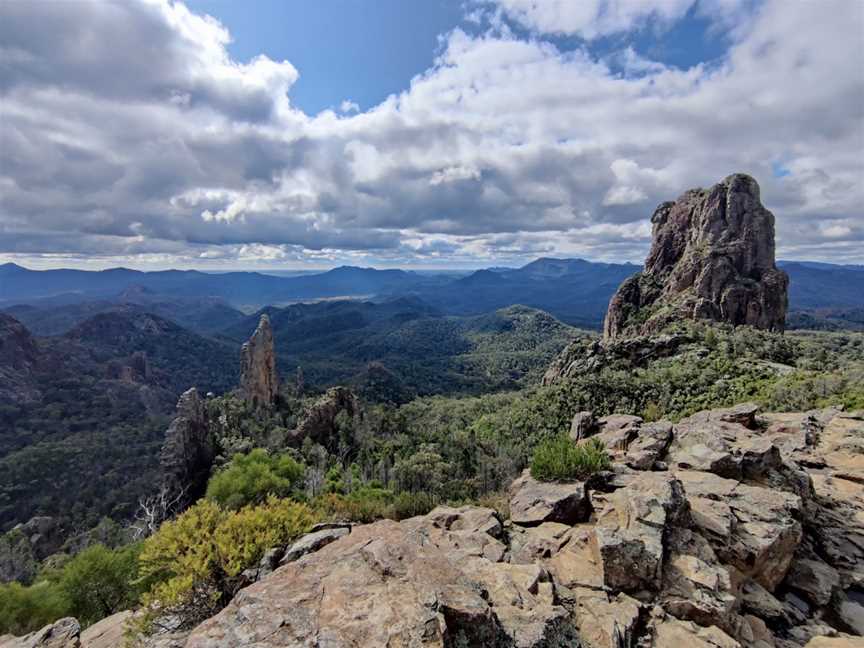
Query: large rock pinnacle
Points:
[188, 451]
[712, 257]
[259, 382]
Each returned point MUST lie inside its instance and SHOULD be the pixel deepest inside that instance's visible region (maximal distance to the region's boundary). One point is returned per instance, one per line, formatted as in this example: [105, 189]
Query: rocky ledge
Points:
[730, 528]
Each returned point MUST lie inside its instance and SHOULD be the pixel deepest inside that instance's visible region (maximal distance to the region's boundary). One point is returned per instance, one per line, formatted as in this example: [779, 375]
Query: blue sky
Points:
[351, 50]
[220, 134]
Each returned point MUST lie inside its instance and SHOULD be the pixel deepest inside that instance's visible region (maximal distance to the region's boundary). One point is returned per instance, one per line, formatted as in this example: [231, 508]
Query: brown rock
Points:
[712, 257]
[312, 542]
[396, 584]
[533, 502]
[107, 633]
[259, 382]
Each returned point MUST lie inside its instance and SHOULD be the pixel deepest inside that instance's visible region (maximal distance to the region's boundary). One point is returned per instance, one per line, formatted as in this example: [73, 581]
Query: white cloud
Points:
[151, 142]
[593, 18]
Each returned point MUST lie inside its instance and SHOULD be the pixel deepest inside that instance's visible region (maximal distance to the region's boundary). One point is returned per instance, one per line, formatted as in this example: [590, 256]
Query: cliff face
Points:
[712, 257]
[259, 382]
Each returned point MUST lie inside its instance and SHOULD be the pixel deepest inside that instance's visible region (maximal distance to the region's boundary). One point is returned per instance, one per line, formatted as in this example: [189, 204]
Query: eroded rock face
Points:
[712, 257]
[533, 502]
[259, 382]
[188, 451]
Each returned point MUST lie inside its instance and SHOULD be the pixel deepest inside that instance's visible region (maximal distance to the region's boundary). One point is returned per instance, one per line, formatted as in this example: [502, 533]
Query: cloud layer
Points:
[128, 132]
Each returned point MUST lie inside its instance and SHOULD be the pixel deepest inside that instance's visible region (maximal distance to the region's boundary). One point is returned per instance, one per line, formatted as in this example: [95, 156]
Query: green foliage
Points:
[24, 609]
[193, 560]
[559, 459]
[250, 478]
[99, 582]
[90, 586]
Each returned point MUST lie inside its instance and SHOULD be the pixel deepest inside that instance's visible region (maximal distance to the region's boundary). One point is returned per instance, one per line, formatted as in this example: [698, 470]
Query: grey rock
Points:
[312, 542]
[712, 257]
[582, 426]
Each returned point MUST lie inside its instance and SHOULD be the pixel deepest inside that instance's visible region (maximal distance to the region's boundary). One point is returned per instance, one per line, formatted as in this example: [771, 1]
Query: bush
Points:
[99, 582]
[558, 458]
[193, 560]
[250, 478]
[24, 609]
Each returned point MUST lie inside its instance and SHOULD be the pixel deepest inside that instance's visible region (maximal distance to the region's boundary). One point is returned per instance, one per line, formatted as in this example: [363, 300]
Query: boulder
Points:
[629, 535]
[259, 382]
[110, 632]
[672, 633]
[312, 542]
[533, 502]
[756, 530]
[607, 621]
[712, 257]
[813, 579]
[64, 633]
[582, 426]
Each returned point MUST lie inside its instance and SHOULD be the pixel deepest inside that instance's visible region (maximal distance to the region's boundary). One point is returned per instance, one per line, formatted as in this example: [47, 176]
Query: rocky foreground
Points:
[727, 529]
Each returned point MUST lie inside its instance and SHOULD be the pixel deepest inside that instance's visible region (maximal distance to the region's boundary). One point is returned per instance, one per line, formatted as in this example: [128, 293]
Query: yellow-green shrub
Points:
[243, 537]
[194, 559]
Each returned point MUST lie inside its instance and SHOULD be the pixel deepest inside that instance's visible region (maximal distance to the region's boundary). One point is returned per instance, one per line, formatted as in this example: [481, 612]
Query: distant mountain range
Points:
[573, 290]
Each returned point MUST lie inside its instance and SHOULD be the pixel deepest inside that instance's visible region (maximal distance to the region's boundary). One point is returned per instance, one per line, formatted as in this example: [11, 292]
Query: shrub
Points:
[250, 478]
[558, 458]
[193, 560]
[243, 537]
[99, 582]
[24, 609]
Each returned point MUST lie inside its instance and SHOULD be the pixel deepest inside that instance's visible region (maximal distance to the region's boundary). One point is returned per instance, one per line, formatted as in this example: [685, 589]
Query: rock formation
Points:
[321, 420]
[259, 382]
[712, 257]
[729, 529]
[188, 451]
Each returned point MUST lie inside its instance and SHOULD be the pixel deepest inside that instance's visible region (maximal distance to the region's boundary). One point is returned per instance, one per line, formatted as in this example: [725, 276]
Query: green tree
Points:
[99, 582]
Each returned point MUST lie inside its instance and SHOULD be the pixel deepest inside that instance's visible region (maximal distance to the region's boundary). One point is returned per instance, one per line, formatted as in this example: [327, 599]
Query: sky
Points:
[283, 134]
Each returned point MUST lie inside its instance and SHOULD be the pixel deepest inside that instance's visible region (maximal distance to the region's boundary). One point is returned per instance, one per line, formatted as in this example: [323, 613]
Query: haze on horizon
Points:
[153, 134]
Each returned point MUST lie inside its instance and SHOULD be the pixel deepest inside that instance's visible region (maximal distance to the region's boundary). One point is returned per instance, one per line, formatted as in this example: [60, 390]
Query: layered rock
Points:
[712, 257]
[259, 382]
[188, 451]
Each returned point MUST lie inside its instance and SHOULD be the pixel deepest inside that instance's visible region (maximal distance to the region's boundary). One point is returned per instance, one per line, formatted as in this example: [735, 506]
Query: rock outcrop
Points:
[259, 382]
[321, 421]
[738, 530]
[712, 257]
[188, 451]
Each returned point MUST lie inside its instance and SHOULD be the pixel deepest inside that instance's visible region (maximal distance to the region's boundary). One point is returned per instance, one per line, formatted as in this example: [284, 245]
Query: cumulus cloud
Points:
[127, 130]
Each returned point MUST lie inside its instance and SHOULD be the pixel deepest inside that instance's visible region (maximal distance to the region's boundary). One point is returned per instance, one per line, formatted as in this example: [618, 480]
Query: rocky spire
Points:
[712, 257]
[259, 382]
[188, 452]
